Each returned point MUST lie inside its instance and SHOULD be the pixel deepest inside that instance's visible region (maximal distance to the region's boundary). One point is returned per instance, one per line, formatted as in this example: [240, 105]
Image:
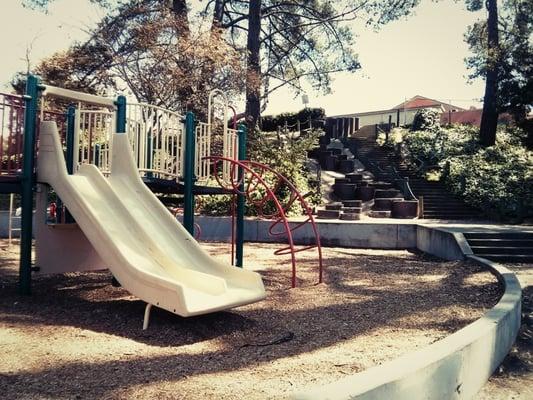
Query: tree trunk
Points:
[489, 117]
[253, 67]
[179, 8]
[218, 14]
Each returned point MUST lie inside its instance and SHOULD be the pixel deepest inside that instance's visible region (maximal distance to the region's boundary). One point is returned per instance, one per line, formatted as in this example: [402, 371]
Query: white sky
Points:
[423, 54]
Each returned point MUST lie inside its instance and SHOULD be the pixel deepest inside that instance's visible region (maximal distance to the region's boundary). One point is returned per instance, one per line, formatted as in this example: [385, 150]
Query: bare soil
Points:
[78, 337]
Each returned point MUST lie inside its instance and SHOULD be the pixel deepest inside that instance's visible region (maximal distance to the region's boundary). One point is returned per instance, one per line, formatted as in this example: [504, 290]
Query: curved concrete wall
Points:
[453, 368]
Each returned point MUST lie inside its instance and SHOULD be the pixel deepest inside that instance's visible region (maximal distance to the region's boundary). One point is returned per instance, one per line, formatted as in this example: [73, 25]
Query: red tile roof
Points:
[424, 102]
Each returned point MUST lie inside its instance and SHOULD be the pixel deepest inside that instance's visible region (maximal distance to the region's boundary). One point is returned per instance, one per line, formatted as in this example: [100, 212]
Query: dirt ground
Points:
[78, 337]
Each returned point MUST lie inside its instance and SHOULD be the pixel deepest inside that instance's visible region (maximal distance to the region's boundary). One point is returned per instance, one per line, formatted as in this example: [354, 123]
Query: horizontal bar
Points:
[79, 96]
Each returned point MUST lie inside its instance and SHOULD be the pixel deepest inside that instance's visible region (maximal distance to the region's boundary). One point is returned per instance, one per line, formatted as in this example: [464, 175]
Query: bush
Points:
[496, 179]
[270, 123]
[286, 156]
[426, 119]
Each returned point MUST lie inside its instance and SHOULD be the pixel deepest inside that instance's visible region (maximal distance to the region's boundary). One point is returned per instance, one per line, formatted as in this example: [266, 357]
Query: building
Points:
[401, 114]
[470, 117]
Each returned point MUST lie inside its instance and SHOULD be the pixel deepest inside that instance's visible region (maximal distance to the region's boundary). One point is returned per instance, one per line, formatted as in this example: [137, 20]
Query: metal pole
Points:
[71, 126]
[239, 241]
[30, 122]
[121, 114]
[189, 178]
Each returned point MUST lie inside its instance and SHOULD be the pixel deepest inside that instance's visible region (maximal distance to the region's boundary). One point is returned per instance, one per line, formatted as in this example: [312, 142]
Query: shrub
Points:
[270, 123]
[426, 119]
[496, 179]
[286, 156]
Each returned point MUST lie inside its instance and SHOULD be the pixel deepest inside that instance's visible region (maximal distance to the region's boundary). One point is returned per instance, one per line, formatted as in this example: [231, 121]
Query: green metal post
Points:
[71, 116]
[189, 178]
[121, 114]
[28, 159]
[69, 157]
[239, 234]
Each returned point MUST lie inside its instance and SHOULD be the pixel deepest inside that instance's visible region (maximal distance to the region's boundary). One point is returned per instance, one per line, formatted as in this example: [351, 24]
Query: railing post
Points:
[239, 236]
[30, 130]
[71, 126]
[121, 114]
[189, 178]
[420, 206]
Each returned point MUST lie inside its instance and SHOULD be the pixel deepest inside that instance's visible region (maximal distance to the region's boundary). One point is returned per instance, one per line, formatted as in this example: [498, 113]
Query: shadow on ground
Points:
[339, 310]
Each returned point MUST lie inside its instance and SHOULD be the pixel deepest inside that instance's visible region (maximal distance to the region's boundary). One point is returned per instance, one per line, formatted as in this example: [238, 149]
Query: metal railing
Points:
[92, 138]
[157, 136]
[12, 109]
[11, 126]
[157, 139]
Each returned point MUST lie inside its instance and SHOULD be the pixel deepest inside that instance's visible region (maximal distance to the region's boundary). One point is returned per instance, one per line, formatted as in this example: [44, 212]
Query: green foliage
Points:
[219, 205]
[288, 157]
[426, 120]
[497, 179]
[270, 123]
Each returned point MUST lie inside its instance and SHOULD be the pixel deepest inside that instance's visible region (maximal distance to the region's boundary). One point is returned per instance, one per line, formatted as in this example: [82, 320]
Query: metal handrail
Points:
[79, 96]
[401, 182]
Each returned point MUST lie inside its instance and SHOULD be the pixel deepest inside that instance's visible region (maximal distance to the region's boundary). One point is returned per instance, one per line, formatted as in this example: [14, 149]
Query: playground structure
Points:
[112, 148]
[79, 184]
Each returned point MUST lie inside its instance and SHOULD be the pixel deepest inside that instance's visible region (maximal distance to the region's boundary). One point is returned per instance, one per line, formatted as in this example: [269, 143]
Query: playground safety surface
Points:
[79, 337]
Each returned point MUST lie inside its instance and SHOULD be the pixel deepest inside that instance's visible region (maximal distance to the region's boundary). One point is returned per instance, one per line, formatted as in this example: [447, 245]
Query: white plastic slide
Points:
[147, 250]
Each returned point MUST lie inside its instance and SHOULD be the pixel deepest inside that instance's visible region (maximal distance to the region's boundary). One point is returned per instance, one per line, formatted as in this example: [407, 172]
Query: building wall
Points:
[406, 117]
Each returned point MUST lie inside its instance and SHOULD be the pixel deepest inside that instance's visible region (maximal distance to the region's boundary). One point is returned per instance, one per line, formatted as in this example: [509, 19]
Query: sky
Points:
[420, 55]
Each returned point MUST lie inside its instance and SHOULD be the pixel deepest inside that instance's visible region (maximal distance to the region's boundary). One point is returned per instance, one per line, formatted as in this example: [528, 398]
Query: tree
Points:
[489, 117]
[503, 55]
[283, 42]
[148, 47]
[288, 42]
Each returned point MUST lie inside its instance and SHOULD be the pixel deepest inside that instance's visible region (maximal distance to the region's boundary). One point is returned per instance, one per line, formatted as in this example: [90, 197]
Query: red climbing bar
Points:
[255, 175]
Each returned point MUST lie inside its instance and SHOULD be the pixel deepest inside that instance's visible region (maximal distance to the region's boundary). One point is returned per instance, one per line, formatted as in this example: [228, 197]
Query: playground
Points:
[83, 340]
[124, 297]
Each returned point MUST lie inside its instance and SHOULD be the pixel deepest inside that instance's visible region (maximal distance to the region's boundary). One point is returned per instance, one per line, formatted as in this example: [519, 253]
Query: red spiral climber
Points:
[257, 191]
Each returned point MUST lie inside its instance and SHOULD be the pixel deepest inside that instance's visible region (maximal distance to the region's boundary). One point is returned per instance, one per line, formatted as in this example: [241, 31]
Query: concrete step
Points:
[384, 203]
[404, 209]
[387, 193]
[443, 204]
[350, 216]
[352, 210]
[448, 216]
[502, 250]
[352, 203]
[501, 242]
[499, 235]
[508, 258]
[334, 206]
[328, 214]
[379, 214]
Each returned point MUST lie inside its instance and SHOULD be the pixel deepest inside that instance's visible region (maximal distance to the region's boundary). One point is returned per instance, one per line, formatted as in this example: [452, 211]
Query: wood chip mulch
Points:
[78, 337]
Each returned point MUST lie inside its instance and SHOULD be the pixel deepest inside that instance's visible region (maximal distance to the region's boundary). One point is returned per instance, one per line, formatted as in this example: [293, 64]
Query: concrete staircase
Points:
[513, 247]
[439, 203]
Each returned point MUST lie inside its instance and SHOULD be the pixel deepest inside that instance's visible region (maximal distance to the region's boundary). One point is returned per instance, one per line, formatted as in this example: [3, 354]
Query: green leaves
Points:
[497, 179]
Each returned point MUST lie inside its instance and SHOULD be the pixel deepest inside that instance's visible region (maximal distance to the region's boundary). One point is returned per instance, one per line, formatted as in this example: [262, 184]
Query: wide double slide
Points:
[147, 249]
